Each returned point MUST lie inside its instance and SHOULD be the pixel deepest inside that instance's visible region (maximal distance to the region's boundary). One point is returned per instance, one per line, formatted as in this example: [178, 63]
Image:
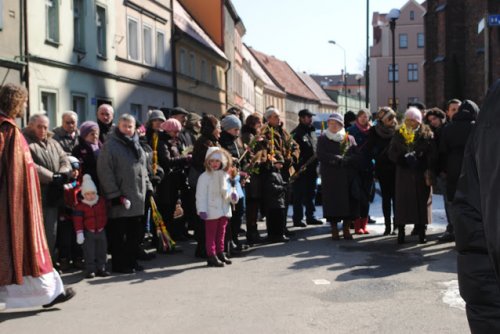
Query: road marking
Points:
[321, 281]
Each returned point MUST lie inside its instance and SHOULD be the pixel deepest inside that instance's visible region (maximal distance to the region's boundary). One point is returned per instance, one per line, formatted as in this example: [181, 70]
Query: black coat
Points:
[88, 160]
[377, 147]
[230, 143]
[477, 228]
[452, 146]
[274, 189]
[305, 137]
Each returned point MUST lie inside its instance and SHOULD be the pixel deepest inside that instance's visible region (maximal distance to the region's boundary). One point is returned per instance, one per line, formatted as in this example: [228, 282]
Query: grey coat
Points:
[67, 142]
[122, 171]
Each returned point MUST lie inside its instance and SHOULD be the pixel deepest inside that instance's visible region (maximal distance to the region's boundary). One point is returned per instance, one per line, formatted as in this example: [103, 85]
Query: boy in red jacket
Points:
[90, 218]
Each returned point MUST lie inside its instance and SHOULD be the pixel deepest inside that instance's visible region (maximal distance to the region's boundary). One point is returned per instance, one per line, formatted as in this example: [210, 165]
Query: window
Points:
[420, 40]
[133, 39]
[79, 105]
[183, 62]
[52, 16]
[204, 76]
[403, 41]
[413, 99]
[49, 105]
[1, 15]
[393, 74]
[147, 42]
[100, 21]
[78, 25]
[160, 49]
[192, 65]
[412, 15]
[412, 72]
[214, 80]
[136, 111]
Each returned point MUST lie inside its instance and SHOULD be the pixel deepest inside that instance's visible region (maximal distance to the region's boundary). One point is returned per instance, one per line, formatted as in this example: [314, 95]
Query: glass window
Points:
[412, 15]
[393, 74]
[403, 41]
[52, 16]
[183, 62]
[100, 21]
[78, 25]
[204, 76]
[214, 80]
[147, 42]
[420, 40]
[412, 72]
[79, 104]
[136, 111]
[133, 39]
[192, 65]
[160, 49]
[49, 105]
[1, 15]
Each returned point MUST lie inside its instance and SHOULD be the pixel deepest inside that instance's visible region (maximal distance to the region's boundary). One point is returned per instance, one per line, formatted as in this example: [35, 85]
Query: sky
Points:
[298, 31]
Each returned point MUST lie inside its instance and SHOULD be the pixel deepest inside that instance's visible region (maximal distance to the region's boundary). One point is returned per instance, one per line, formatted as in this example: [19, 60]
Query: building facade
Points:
[408, 72]
[12, 39]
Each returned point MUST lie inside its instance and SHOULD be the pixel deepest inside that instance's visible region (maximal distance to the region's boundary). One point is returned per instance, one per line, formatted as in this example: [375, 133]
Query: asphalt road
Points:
[309, 285]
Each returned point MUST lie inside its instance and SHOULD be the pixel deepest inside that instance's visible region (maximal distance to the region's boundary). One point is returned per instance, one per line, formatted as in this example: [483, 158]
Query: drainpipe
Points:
[24, 22]
[173, 39]
[228, 67]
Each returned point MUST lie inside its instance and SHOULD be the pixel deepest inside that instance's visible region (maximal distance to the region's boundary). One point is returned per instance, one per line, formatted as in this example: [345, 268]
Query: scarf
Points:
[363, 129]
[336, 137]
[131, 142]
[384, 131]
[91, 203]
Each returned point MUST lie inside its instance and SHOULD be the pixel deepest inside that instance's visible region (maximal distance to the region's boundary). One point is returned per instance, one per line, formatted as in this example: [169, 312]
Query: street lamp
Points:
[345, 73]
[393, 16]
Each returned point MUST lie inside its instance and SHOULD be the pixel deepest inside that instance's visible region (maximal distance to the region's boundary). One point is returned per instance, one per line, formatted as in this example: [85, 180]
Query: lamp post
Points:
[345, 73]
[393, 16]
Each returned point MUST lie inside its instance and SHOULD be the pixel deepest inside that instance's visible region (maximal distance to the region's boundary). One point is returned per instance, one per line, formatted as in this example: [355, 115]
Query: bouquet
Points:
[409, 137]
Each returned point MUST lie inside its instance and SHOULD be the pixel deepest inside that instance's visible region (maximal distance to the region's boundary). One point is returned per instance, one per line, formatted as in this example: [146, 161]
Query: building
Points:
[326, 105]
[408, 73]
[460, 65]
[333, 86]
[200, 66]
[12, 40]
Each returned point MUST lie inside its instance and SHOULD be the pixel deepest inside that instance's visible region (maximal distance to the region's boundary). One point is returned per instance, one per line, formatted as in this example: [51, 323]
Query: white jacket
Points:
[212, 197]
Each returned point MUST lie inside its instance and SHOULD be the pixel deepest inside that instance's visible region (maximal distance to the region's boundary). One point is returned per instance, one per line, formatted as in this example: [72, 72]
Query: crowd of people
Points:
[102, 183]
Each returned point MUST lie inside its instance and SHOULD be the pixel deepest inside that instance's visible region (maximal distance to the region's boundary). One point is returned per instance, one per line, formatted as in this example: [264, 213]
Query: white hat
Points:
[88, 185]
[215, 153]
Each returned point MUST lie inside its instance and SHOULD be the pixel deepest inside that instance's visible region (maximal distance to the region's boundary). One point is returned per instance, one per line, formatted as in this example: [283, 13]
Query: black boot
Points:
[253, 236]
[387, 230]
[401, 234]
[223, 258]
[213, 261]
[422, 239]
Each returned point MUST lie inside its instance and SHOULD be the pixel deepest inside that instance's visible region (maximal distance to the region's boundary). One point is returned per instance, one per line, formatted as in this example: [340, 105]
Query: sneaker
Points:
[63, 297]
[103, 273]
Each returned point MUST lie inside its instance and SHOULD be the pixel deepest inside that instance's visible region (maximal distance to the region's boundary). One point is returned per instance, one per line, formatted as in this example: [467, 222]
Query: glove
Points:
[411, 159]
[125, 202]
[80, 238]
[234, 198]
[203, 215]
[59, 179]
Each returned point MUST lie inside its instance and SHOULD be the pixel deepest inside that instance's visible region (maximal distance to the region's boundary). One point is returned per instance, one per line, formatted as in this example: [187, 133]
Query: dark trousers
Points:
[275, 221]
[235, 222]
[252, 212]
[94, 251]
[124, 236]
[66, 241]
[304, 191]
[366, 182]
[387, 182]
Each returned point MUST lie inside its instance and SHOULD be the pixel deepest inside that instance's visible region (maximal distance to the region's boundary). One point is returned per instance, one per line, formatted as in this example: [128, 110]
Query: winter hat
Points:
[171, 125]
[75, 163]
[337, 118]
[88, 185]
[87, 127]
[414, 113]
[469, 106]
[216, 153]
[208, 125]
[156, 114]
[193, 117]
[230, 122]
[271, 111]
[178, 111]
[435, 112]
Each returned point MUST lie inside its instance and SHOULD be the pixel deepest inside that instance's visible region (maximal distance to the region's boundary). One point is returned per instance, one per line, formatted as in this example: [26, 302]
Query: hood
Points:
[226, 157]
[467, 111]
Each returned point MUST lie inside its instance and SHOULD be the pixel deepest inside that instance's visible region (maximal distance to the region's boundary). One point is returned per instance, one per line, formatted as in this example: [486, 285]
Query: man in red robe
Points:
[27, 277]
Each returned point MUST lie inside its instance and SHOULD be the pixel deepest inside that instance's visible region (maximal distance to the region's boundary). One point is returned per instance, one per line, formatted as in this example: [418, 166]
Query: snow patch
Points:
[451, 295]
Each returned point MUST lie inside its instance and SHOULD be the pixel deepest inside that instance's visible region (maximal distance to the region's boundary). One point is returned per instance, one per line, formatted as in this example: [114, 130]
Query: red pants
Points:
[215, 229]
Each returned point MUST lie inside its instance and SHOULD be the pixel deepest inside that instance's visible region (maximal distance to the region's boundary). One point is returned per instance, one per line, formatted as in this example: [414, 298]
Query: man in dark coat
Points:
[67, 134]
[105, 114]
[477, 230]
[304, 186]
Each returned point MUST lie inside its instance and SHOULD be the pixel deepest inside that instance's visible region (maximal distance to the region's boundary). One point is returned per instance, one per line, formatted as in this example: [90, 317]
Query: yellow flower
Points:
[408, 135]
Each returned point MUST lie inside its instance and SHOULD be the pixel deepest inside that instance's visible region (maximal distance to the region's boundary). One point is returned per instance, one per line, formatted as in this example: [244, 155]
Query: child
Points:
[213, 203]
[90, 218]
[274, 199]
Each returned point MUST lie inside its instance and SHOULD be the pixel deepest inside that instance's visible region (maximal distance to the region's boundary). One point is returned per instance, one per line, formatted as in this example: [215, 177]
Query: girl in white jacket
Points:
[214, 196]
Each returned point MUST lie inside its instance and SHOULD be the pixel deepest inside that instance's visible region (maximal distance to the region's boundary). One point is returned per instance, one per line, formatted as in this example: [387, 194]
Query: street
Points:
[309, 285]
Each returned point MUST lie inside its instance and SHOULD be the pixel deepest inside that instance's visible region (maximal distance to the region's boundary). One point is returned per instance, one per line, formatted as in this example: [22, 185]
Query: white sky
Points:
[298, 31]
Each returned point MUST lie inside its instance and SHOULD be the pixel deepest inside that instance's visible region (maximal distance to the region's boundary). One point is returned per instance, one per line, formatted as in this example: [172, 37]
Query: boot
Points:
[335, 232]
[364, 222]
[213, 261]
[253, 236]
[358, 226]
[346, 231]
[387, 230]
[223, 258]
[394, 228]
[401, 234]
[422, 239]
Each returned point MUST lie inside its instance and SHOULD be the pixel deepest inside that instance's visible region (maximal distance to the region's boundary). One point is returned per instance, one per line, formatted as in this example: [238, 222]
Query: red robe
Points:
[23, 247]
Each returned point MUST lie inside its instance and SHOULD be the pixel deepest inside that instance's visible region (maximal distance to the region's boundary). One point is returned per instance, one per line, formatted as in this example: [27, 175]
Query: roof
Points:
[188, 25]
[324, 99]
[283, 75]
[259, 71]
[338, 80]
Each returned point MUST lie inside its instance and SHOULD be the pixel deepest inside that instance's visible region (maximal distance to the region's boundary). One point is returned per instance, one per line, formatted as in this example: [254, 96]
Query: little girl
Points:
[90, 218]
[213, 203]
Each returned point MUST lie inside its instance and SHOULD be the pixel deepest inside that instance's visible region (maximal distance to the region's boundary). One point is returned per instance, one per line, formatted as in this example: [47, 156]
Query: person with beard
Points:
[477, 231]
[414, 153]
[123, 175]
[377, 144]
[105, 114]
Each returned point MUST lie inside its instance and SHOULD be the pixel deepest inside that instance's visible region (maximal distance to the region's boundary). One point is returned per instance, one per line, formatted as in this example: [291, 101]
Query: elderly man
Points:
[27, 277]
[54, 169]
[105, 114]
[67, 134]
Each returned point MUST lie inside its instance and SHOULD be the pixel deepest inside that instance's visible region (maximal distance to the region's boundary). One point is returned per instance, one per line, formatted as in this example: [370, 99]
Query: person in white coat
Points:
[214, 196]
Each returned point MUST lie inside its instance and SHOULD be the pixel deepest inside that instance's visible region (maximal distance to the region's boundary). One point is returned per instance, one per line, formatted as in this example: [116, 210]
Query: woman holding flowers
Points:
[339, 179]
[413, 151]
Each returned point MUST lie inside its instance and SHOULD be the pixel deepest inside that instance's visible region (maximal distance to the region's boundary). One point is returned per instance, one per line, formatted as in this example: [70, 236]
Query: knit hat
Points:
[414, 113]
[216, 153]
[230, 122]
[156, 114]
[337, 118]
[271, 111]
[87, 127]
[88, 185]
[171, 125]
[75, 163]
